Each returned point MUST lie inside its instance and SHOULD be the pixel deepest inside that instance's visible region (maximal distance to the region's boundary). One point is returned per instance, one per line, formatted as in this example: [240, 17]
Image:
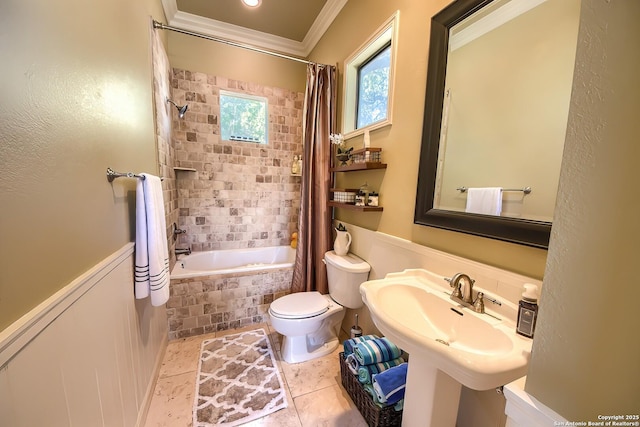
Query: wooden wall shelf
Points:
[354, 207]
[359, 167]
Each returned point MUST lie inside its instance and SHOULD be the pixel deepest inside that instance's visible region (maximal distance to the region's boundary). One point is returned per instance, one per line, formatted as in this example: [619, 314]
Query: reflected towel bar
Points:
[525, 190]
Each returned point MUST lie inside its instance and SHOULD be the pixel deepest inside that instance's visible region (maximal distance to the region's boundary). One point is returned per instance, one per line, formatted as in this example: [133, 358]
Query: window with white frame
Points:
[243, 117]
[368, 81]
[373, 88]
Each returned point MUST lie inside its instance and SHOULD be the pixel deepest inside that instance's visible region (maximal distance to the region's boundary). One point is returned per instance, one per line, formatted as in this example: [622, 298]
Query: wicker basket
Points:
[366, 155]
[345, 196]
[373, 414]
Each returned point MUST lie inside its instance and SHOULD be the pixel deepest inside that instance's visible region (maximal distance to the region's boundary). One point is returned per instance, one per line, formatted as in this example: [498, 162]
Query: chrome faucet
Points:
[185, 251]
[464, 293]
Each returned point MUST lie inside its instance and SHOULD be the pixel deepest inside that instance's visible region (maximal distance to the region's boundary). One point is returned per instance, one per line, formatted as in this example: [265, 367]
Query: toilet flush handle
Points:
[325, 261]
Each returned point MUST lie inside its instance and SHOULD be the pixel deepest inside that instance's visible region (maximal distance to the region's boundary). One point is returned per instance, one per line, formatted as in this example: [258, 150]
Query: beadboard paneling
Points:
[93, 361]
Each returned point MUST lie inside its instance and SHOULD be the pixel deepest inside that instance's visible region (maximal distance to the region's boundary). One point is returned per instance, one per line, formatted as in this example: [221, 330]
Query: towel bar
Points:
[111, 175]
[525, 190]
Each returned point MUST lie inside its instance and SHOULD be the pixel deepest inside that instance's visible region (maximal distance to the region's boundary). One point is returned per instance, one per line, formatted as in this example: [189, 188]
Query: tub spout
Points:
[184, 251]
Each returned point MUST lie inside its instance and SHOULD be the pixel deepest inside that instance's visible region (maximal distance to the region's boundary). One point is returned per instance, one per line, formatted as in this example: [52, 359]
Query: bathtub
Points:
[214, 291]
[229, 261]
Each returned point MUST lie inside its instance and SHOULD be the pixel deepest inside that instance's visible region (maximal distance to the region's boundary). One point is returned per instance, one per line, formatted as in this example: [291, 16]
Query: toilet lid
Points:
[349, 262]
[300, 305]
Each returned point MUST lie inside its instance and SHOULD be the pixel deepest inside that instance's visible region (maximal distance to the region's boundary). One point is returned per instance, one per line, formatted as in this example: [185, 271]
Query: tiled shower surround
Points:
[215, 303]
[241, 195]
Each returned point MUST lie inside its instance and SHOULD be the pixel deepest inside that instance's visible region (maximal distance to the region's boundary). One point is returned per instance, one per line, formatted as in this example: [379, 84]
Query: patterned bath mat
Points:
[238, 380]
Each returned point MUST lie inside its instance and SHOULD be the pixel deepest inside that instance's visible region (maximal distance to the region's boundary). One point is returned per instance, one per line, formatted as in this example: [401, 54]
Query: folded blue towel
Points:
[369, 389]
[349, 344]
[376, 351]
[365, 372]
[389, 385]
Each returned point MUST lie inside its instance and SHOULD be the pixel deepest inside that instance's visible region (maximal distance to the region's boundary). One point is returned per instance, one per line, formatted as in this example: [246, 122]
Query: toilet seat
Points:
[300, 305]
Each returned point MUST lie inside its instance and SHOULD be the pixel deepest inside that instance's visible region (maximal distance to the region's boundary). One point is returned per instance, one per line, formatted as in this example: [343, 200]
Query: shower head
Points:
[181, 109]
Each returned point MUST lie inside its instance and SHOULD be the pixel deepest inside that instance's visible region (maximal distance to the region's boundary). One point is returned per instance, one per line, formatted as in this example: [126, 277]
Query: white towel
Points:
[486, 200]
[152, 254]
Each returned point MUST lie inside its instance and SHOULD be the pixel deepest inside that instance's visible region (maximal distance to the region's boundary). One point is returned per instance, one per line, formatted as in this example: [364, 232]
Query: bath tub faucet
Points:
[177, 230]
[185, 251]
[461, 293]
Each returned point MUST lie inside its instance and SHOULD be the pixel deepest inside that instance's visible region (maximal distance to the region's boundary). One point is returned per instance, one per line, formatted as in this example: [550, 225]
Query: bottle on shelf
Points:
[362, 198]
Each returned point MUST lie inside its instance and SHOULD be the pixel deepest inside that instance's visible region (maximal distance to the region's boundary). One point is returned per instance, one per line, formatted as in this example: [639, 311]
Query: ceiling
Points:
[289, 26]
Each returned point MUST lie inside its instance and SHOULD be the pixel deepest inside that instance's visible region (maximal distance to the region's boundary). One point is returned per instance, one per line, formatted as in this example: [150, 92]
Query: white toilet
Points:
[309, 321]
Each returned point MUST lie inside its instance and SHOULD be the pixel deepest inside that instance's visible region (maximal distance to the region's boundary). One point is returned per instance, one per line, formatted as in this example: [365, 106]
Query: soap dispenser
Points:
[528, 311]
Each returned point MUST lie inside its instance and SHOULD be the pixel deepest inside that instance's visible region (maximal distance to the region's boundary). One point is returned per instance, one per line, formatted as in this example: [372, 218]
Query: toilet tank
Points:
[344, 275]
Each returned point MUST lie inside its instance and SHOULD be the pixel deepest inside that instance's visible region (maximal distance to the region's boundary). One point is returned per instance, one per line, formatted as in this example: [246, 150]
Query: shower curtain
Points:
[314, 222]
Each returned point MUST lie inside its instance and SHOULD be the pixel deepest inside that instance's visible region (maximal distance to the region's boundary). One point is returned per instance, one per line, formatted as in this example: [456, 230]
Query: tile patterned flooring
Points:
[314, 389]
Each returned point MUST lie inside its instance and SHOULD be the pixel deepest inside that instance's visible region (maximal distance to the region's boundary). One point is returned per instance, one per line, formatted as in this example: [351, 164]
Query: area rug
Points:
[238, 380]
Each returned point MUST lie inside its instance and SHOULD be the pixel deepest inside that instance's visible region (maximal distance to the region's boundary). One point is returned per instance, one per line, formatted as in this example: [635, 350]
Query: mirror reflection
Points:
[495, 116]
[507, 90]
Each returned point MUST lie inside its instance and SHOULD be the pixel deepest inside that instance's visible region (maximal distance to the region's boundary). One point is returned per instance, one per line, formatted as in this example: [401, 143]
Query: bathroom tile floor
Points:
[314, 389]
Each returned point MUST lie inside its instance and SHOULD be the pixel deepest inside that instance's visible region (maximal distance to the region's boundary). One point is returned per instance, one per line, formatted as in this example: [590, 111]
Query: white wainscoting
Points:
[524, 410]
[87, 356]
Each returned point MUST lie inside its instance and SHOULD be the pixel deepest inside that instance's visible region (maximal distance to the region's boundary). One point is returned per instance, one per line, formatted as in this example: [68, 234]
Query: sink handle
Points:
[478, 304]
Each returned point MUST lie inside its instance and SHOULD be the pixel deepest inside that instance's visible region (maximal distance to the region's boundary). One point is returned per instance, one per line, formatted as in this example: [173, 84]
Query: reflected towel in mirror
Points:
[485, 200]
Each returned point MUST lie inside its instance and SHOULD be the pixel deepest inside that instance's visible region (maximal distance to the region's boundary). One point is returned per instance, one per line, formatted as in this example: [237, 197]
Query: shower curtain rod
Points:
[162, 26]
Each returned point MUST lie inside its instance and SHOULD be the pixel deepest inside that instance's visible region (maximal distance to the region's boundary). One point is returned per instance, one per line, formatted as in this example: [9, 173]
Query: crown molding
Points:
[211, 27]
[170, 8]
[325, 18]
[236, 33]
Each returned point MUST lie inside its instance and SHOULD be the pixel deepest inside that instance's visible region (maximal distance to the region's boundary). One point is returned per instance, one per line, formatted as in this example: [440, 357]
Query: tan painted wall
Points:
[205, 56]
[401, 141]
[75, 99]
[586, 353]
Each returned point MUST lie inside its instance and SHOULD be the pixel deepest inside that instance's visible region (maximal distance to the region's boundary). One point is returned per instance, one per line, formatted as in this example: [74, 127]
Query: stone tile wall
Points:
[242, 193]
[214, 303]
[165, 118]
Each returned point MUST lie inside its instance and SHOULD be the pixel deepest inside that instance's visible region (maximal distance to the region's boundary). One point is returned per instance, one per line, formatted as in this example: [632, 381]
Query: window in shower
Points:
[243, 117]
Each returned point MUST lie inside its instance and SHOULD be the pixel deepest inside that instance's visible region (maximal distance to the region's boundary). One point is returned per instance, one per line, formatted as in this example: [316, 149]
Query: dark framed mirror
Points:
[530, 231]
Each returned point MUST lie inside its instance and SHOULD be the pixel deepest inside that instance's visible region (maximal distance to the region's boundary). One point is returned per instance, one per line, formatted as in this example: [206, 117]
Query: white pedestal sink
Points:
[448, 345]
